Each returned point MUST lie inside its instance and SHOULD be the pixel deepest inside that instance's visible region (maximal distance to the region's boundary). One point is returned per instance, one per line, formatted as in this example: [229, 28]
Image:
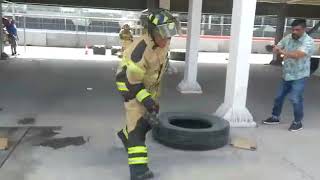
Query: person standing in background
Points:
[12, 36]
[126, 37]
[296, 50]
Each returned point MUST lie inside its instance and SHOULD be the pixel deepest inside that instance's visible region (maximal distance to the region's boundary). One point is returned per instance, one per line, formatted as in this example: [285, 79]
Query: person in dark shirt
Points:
[12, 35]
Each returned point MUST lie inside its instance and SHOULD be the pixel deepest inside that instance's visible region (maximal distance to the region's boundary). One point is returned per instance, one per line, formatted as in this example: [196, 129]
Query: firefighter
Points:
[125, 37]
[138, 80]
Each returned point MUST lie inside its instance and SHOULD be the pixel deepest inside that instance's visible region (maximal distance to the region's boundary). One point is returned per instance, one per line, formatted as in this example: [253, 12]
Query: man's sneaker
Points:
[296, 127]
[271, 121]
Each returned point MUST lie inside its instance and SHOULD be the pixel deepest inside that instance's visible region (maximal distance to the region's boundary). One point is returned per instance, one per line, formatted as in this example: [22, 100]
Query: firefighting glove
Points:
[152, 119]
[150, 105]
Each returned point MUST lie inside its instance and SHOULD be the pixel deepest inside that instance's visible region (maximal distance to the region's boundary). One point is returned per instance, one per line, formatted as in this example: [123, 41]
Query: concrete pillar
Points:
[209, 23]
[262, 24]
[189, 83]
[234, 107]
[281, 22]
[1, 32]
[24, 33]
[153, 4]
[222, 25]
[203, 24]
[165, 4]
[13, 11]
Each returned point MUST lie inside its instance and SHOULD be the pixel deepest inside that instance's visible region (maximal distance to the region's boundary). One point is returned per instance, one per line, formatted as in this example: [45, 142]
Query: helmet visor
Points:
[167, 30]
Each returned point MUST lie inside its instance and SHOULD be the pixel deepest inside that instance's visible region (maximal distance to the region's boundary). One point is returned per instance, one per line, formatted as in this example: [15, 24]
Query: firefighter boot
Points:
[123, 136]
[140, 172]
[138, 152]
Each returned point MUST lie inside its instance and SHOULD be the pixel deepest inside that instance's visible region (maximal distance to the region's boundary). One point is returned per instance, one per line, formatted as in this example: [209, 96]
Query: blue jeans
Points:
[296, 89]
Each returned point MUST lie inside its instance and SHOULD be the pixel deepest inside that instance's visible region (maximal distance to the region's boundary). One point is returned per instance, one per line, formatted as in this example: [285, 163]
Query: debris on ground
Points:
[244, 143]
[4, 143]
[27, 120]
[58, 143]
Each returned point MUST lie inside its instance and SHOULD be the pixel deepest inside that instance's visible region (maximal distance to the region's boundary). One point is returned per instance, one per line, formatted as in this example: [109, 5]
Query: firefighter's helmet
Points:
[160, 21]
[126, 27]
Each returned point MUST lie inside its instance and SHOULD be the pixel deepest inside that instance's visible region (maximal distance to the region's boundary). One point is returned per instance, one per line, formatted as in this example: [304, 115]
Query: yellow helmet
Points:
[126, 26]
[160, 21]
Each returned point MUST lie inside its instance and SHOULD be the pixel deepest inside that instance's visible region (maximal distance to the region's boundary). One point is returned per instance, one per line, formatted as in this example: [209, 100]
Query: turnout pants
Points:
[135, 131]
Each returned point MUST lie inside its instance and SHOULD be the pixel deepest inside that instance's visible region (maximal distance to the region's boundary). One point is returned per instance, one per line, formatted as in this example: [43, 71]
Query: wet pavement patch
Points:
[38, 135]
[47, 133]
[27, 120]
[57, 143]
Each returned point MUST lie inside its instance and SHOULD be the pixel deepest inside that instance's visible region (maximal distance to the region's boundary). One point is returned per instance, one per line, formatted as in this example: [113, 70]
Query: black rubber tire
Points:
[115, 50]
[4, 56]
[178, 55]
[206, 138]
[99, 50]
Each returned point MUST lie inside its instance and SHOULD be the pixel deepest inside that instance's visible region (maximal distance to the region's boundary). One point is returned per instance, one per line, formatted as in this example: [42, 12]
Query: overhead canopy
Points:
[304, 2]
[116, 4]
[296, 8]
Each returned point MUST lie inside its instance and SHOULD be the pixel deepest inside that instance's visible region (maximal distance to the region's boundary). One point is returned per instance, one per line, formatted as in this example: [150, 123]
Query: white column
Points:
[13, 11]
[165, 4]
[209, 23]
[1, 33]
[234, 107]
[203, 22]
[189, 84]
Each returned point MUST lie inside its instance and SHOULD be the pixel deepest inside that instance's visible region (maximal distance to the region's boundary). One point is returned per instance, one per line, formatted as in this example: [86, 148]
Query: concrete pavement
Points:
[55, 93]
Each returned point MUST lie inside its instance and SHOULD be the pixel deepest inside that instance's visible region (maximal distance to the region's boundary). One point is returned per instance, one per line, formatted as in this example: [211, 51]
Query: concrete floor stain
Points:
[57, 143]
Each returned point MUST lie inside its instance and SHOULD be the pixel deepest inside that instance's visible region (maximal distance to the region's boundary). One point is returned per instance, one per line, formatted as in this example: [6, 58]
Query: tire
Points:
[99, 50]
[115, 50]
[191, 131]
[4, 56]
[178, 55]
